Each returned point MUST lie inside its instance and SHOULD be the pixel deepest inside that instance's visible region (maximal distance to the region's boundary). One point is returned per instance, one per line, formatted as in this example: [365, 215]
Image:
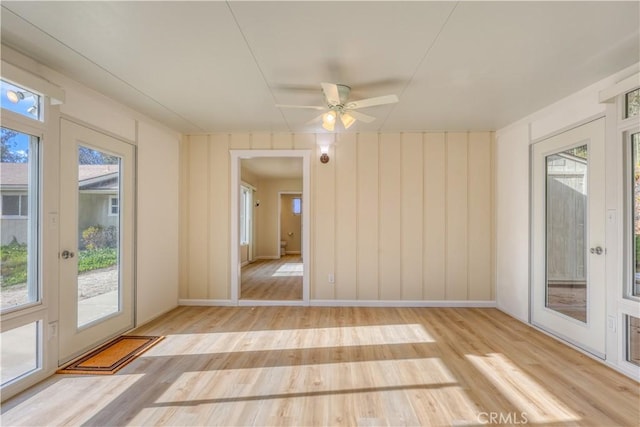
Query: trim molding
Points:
[341, 303]
[207, 302]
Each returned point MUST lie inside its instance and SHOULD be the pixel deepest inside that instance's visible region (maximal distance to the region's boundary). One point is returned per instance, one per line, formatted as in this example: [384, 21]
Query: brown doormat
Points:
[111, 357]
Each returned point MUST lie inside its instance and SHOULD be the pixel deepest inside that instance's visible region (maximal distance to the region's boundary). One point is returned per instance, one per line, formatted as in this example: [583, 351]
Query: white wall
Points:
[266, 215]
[158, 222]
[512, 187]
[158, 182]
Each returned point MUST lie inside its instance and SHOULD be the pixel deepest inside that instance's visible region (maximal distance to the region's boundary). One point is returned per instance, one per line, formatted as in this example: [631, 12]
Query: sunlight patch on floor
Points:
[288, 339]
[520, 389]
[75, 388]
[290, 269]
[308, 380]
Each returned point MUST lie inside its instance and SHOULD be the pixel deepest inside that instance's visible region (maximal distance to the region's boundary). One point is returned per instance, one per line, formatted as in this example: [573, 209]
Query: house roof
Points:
[17, 175]
[214, 66]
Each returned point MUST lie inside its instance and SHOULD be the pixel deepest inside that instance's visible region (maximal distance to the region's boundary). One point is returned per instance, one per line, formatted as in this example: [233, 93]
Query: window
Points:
[114, 206]
[19, 352]
[296, 205]
[19, 231]
[15, 205]
[245, 215]
[635, 214]
[20, 100]
[632, 103]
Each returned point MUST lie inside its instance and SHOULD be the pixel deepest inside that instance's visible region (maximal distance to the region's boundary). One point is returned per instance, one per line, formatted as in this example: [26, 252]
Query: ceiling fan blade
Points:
[371, 102]
[362, 117]
[311, 107]
[331, 93]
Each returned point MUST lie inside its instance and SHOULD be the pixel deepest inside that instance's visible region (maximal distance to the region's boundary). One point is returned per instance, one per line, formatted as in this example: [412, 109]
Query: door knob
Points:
[67, 254]
[597, 250]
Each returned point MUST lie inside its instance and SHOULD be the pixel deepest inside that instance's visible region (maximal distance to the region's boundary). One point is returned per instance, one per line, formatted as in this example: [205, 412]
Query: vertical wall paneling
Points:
[367, 243]
[219, 240]
[198, 216]
[346, 220]
[240, 141]
[397, 216]
[325, 226]
[260, 141]
[434, 220]
[282, 141]
[457, 216]
[390, 206]
[412, 215]
[479, 199]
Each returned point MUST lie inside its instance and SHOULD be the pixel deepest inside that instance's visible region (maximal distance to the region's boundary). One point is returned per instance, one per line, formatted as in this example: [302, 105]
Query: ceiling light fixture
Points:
[33, 110]
[347, 120]
[15, 96]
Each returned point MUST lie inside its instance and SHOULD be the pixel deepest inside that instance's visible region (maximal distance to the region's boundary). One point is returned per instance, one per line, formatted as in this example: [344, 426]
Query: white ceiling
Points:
[221, 66]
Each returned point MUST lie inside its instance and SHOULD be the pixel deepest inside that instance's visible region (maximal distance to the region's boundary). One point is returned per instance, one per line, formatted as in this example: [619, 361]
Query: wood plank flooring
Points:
[275, 280]
[302, 366]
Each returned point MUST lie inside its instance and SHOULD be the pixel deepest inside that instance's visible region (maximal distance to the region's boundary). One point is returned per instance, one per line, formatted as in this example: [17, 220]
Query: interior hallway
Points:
[277, 280]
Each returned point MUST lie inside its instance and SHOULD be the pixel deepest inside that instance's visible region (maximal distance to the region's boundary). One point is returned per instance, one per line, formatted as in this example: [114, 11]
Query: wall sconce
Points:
[324, 149]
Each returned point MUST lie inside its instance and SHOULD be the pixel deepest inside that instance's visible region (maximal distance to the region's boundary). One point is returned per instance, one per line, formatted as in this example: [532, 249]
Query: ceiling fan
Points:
[339, 106]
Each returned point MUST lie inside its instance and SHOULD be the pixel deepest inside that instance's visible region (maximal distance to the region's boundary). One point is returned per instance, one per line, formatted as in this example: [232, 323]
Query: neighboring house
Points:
[98, 199]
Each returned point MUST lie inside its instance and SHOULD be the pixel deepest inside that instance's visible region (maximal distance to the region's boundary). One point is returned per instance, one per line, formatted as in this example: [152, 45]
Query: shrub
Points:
[99, 237]
[14, 263]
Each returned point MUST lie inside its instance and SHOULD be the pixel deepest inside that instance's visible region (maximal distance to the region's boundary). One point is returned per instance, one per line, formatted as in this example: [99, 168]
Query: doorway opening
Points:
[269, 260]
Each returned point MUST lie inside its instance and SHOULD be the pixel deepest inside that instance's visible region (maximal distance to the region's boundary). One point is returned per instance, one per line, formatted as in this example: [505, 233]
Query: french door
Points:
[568, 232]
[96, 238]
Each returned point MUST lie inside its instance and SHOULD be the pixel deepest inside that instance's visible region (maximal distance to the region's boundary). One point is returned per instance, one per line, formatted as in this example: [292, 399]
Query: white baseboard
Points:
[401, 303]
[258, 302]
[341, 303]
[293, 252]
[244, 263]
[207, 302]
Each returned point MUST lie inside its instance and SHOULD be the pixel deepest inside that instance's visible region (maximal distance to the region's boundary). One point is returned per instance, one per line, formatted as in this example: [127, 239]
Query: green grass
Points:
[98, 258]
[14, 262]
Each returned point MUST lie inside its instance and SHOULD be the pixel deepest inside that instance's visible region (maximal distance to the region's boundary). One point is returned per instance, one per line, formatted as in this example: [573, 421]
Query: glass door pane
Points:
[99, 235]
[19, 206]
[566, 240]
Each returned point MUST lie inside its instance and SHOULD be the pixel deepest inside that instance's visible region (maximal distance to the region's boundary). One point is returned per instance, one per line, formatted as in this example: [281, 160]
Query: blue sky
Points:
[21, 140]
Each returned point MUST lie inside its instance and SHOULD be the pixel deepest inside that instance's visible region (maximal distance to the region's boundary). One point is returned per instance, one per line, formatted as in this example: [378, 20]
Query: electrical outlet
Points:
[331, 278]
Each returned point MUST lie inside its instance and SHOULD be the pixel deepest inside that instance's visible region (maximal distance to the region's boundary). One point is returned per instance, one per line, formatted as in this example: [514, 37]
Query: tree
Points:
[87, 156]
[8, 153]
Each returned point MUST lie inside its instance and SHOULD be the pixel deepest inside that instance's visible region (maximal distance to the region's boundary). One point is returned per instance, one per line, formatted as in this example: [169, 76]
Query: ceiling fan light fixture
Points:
[347, 120]
[15, 96]
[329, 120]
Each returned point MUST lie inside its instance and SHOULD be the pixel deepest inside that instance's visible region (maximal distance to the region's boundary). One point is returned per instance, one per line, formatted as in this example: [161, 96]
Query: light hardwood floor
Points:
[302, 366]
[275, 280]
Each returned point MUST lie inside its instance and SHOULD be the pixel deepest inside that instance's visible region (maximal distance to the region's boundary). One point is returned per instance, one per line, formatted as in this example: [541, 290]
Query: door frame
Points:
[128, 248]
[280, 194]
[235, 269]
[534, 241]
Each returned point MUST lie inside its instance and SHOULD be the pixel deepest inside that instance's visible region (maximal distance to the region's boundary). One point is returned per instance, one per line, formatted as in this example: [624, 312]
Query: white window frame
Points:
[46, 237]
[628, 304]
